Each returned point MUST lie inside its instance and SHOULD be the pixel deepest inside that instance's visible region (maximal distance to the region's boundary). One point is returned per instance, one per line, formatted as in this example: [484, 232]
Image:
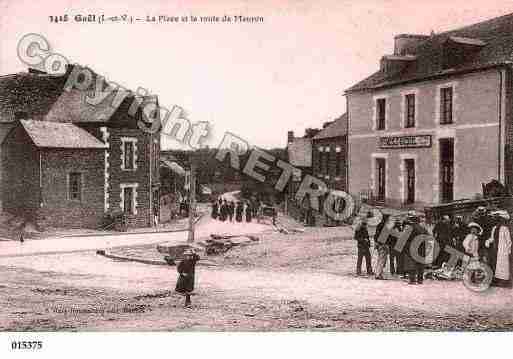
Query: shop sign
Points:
[414, 141]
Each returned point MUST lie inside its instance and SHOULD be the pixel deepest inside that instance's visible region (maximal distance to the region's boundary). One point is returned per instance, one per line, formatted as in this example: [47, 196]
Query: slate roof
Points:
[300, 152]
[495, 37]
[43, 97]
[71, 106]
[59, 135]
[28, 92]
[336, 129]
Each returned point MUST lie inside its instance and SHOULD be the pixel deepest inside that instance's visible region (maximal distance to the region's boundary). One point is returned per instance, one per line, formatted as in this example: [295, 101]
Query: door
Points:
[156, 206]
[409, 165]
[381, 179]
[446, 170]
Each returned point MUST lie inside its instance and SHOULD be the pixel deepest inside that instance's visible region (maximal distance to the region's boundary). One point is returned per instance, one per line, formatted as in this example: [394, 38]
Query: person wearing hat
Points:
[499, 250]
[482, 217]
[414, 265]
[443, 235]
[383, 248]
[361, 235]
[471, 241]
[186, 271]
[459, 231]
[215, 209]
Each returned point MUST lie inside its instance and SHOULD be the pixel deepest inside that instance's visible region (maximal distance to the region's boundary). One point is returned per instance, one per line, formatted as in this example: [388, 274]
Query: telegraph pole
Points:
[192, 198]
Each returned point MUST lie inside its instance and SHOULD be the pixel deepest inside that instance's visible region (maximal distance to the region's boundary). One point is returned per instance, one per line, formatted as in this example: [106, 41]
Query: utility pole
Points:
[192, 198]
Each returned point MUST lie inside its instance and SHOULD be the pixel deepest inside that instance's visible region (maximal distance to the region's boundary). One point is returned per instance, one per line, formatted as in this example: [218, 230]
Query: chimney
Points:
[290, 137]
[406, 44]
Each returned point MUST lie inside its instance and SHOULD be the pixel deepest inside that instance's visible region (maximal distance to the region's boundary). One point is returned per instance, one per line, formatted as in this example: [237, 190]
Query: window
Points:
[129, 155]
[326, 160]
[75, 186]
[410, 110]
[446, 105]
[338, 162]
[20, 115]
[156, 157]
[381, 105]
[128, 200]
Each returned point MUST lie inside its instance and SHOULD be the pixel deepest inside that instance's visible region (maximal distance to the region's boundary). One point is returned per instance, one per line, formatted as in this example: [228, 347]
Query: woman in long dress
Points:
[499, 247]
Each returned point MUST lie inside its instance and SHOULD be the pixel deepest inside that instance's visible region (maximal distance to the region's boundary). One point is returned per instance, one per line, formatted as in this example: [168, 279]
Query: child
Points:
[186, 270]
[471, 241]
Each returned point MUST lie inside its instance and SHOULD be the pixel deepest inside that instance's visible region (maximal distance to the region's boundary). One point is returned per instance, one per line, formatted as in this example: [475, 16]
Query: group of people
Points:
[228, 210]
[485, 238]
[401, 262]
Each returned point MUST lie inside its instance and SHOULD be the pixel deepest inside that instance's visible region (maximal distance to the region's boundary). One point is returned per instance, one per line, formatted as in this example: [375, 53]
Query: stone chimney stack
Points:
[290, 137]
[406, 44]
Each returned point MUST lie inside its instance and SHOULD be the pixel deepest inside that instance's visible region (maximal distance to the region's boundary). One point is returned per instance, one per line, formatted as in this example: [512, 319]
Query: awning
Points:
[173, 166]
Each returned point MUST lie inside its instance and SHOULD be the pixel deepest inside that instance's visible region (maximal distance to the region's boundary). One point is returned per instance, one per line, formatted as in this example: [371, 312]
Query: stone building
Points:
[435, 122]
[329, 154]
[67, 163]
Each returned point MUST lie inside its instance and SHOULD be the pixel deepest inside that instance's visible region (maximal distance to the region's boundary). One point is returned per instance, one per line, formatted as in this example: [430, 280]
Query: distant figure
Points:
[215, 207]
[361, 236]
[231, 210]
[21, 237]
[249, 212]
[239, 210]
[224, 211]
[186, 272]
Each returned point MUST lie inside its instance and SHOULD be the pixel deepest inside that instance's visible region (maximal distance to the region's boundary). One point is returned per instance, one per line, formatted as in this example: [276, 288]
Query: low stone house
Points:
[71, 164]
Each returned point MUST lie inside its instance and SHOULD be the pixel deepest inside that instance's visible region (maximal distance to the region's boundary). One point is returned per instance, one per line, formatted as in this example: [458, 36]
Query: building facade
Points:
[329, 154]
[78, 164]
[434, 123]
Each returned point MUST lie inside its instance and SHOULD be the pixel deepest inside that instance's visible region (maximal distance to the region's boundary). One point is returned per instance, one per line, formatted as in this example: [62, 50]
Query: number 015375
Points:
[27, 345]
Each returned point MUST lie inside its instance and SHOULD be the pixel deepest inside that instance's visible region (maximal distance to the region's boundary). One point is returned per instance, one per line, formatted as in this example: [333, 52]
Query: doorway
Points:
[446, 170]
[381, 179]
[409, 165]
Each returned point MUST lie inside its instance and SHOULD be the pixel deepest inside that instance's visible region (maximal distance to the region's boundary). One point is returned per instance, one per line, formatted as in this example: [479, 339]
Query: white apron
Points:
[502, 270]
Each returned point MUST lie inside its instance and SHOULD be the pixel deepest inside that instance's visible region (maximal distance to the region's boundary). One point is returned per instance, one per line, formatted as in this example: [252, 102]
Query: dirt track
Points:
[80, 291]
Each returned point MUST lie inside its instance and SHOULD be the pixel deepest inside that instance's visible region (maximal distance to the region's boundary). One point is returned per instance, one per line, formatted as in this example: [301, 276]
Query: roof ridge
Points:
[480, 23]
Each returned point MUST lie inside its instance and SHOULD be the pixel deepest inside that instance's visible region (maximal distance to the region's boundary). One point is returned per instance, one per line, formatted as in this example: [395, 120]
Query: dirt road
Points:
[284, 282]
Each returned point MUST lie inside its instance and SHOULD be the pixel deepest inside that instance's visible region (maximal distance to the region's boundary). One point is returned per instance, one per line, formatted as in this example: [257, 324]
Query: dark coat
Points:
[186, 270]
[443, 233]
[239, 210]
[249, 211]
[214, 210]
[410, 263]
[361, 235]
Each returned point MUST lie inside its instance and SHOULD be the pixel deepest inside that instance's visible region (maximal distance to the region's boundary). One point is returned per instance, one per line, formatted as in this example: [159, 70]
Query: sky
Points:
[256, 80]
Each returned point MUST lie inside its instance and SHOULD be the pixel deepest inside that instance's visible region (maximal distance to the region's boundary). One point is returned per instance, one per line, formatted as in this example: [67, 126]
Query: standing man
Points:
[481, 217]
[442, 232]
[414, 263]
[214, 210]
[361, 236]
[239, 209]
[231, 209]
[382, 247]
[396, 258]
[249, 211]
